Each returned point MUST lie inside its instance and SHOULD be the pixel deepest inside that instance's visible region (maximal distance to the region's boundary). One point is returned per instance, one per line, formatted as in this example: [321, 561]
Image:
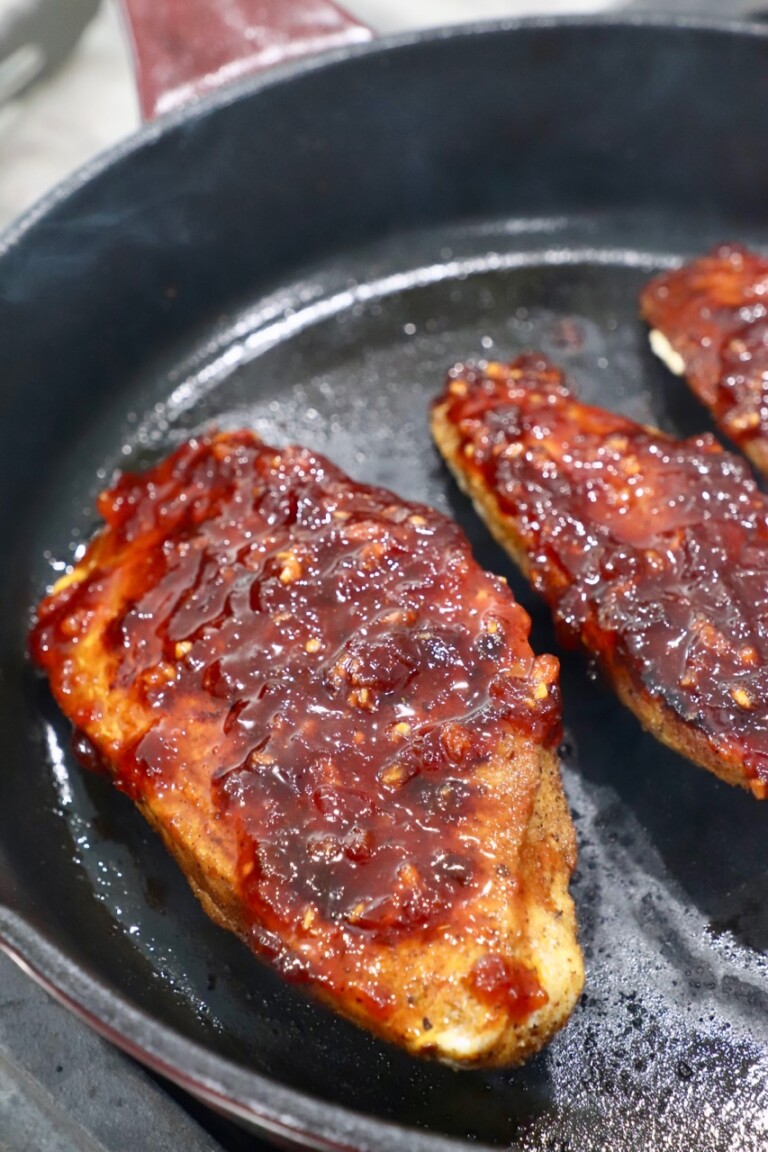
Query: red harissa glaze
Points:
[350, 664]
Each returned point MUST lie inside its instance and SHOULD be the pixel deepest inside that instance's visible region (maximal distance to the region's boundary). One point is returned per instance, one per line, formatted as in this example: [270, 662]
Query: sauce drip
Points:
[507, 985]
[333, 654]
[648, 547]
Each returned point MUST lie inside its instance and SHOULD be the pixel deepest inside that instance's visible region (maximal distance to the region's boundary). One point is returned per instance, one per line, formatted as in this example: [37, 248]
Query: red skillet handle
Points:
[184, 48]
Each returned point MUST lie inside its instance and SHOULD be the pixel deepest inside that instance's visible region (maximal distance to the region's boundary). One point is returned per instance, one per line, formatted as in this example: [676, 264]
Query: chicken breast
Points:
[652, 552]
[335, 721]
[709, 323]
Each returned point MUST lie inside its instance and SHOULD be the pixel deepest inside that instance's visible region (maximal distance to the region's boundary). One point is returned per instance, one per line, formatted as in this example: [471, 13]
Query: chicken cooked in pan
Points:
[709, 323]
[334, 719]
[652, 552]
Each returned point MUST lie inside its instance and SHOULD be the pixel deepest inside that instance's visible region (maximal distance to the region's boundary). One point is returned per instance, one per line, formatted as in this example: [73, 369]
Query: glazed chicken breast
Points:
[709, 323]
[652, 552]
[335, 721]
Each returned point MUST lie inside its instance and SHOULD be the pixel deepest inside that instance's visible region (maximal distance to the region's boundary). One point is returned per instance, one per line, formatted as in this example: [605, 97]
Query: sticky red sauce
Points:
[87, 754]
[332, 655]
[506, 985]
[714, 312]
[648, 547]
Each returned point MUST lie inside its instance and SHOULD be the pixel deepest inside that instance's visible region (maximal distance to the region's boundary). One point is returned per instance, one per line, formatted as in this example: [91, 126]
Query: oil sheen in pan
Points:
[672, 1034]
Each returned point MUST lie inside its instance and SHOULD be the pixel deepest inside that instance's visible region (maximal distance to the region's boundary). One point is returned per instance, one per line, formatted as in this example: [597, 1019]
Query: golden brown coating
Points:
[652, 552]
[709, 323]
[335, 721]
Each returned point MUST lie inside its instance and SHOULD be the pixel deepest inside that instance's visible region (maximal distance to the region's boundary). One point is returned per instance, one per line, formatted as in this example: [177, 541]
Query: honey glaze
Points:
[339, 666]
[650, 550]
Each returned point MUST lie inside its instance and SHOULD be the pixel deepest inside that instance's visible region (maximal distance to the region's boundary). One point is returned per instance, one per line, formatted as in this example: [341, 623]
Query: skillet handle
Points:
[185, 48]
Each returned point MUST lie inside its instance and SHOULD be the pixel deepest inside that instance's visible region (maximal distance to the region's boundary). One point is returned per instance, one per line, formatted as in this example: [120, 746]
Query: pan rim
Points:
[148, 133]
[278, 1110]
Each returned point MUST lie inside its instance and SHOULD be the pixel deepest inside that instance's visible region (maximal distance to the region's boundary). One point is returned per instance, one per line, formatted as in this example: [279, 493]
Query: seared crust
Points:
[708, 324]
[528, 407]
[479, 974]
[460, 1030]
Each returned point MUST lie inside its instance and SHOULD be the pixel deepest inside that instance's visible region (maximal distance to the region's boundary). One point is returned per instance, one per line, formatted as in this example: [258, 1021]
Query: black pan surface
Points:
[307, 256]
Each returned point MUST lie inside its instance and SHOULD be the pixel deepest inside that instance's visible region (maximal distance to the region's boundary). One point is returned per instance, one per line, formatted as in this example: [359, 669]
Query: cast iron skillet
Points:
[306, 254]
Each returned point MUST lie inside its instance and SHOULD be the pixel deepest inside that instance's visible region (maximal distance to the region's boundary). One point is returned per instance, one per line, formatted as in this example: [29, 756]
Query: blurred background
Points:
[67, 89]
[85, 98]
